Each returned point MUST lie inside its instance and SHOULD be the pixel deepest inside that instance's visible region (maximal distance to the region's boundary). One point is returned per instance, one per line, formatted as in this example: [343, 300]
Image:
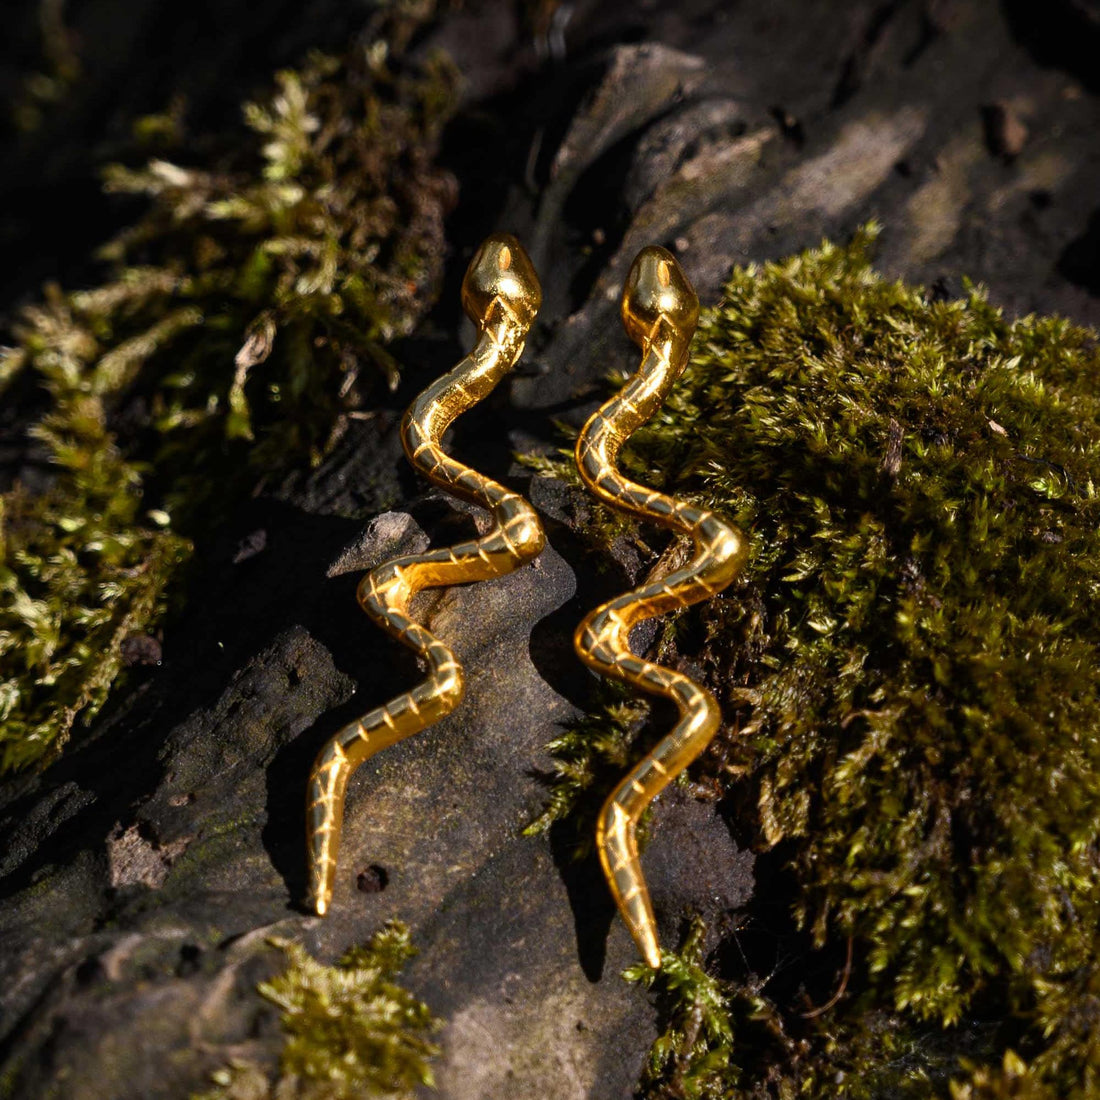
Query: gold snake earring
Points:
[660, 311]
[501, 295]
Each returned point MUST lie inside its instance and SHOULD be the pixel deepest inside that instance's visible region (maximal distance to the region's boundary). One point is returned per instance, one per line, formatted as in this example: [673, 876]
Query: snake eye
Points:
[664, 273]
[504, 258]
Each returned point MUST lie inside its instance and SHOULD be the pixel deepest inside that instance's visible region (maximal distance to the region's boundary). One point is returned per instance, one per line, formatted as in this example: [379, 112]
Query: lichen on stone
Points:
[907, 664]
[349, 1030]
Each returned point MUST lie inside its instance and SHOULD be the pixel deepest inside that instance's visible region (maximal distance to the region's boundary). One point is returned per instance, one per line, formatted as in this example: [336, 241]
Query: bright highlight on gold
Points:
[660, 311]
[501, 295]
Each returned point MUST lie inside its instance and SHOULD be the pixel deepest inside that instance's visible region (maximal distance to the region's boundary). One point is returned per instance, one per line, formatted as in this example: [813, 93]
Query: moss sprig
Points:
[82, 567]
[1012, 1080]
[693, 1057]
[350, 1030]
[589, 759]
[251, 306]
[55, 74]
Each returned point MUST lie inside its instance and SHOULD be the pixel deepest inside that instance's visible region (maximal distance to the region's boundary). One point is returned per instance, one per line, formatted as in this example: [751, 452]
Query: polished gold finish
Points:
[501, 295]
[660, 311]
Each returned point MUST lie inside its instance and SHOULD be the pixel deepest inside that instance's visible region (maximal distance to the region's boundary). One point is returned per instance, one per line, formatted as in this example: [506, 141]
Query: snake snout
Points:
[658, 290]
[501, 269]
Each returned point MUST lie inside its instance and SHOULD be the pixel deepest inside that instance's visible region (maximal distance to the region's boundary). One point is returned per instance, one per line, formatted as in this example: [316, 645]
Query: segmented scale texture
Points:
[501, 295]
[663, 323]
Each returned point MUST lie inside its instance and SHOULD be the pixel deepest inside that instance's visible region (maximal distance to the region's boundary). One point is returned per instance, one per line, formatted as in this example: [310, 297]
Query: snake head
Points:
[658, 290]
[501, 271]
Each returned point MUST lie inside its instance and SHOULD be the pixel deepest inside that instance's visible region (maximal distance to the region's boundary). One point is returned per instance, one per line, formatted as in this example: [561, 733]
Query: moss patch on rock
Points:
[350, 1030]
[907, 665]
[243, 319]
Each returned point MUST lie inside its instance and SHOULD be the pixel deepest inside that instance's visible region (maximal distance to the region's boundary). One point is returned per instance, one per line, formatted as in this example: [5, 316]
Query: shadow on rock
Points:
[589, 899]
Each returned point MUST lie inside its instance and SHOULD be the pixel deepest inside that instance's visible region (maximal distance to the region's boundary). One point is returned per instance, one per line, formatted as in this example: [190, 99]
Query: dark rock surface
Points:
[140, 876]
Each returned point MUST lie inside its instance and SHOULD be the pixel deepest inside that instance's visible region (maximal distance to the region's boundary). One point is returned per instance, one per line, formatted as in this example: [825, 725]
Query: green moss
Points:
[907, 665]
[243, 319]
[250, 307]
[82, 567]
[1011, 1081]
[693, 1058]
[350, 1031]
[590, 757]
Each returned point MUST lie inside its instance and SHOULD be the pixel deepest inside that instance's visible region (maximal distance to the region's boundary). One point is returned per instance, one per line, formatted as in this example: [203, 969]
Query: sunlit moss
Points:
[243, 318]
[589, 757]
[1012, 1080]
[693, 1057]
[907, 665]
[82, 567]
[350, 1030]
[253, 301]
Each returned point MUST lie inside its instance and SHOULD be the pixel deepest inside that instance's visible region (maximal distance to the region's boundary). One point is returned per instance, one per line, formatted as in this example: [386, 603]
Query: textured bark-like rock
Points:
[140, 876]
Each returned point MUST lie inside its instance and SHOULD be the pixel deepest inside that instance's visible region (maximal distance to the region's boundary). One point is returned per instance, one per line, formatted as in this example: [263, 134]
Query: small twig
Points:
[840, 990]
[683, 1057]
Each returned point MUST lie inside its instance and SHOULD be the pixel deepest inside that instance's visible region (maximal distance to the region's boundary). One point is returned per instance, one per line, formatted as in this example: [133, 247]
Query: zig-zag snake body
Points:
[501, 295]
[660, 311]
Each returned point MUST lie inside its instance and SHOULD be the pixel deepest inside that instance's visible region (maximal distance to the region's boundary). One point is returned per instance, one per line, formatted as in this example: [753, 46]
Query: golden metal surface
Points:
[501, 295]
[660, 311]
